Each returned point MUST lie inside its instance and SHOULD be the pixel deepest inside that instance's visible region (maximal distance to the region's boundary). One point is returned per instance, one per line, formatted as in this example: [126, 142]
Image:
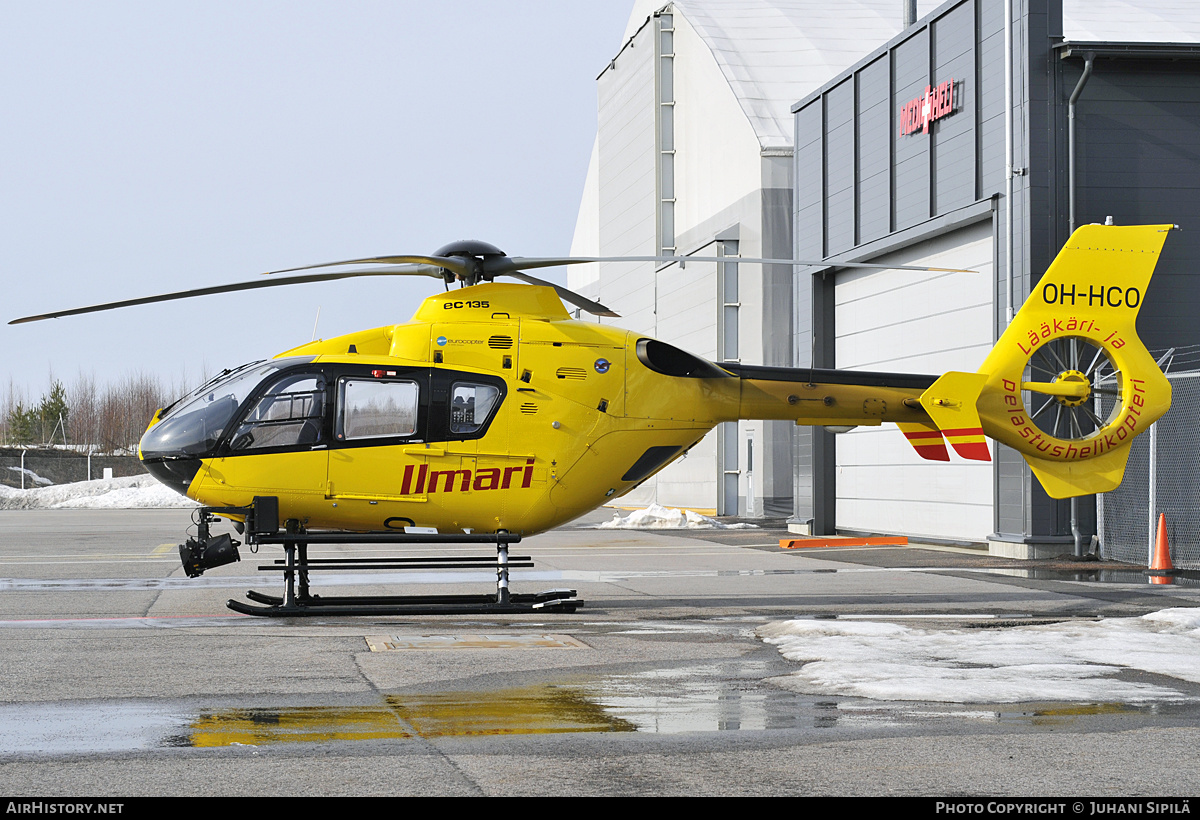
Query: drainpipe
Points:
[1075, 532]
[1008, 158]
[1088, 60]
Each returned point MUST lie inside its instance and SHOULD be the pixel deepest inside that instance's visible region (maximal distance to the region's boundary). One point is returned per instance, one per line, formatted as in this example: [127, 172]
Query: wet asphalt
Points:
[119, 676]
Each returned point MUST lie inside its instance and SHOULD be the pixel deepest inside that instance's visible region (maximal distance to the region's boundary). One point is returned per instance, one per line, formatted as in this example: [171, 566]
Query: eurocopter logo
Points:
[918, 113]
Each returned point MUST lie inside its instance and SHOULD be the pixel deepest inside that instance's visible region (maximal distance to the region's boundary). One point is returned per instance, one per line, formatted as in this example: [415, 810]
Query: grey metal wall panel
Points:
[1010, 494]
[893, 181]
[953, 137]
[873, 139]
[802, 479]
[1042, 155]
[1039, 224]
[990, 103]
[807, 227]
[809, 189]
[839, 168]
[1138, 160]
[953, 37]
[806, 241]
[911, 167]
[777, 314]
[777, 310]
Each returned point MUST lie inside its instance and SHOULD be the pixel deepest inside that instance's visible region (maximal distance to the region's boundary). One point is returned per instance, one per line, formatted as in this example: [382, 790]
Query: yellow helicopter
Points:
[493, 413]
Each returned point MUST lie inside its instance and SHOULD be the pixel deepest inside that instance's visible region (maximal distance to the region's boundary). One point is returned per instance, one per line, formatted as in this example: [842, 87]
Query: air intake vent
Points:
[500, 342]
[572, 373]
[529, 408]
[671, 361]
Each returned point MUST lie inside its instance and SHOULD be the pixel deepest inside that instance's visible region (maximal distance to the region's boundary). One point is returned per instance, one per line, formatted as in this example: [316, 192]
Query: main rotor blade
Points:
[566, 295]
[503, 265]
[528, 263]
[450, 263]
[397, 270]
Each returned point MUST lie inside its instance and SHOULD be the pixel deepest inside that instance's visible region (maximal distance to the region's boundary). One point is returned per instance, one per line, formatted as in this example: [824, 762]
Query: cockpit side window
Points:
[290, 414]
[470, 406]
[370, 408]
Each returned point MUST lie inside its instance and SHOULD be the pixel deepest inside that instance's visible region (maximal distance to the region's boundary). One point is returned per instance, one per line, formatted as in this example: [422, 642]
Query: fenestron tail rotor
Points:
[1065, 377]
[1069, 384]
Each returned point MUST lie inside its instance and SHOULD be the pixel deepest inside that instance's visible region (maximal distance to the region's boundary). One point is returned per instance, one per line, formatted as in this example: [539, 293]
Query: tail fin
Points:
[1069, 384]
[926, 439]
[951, 403]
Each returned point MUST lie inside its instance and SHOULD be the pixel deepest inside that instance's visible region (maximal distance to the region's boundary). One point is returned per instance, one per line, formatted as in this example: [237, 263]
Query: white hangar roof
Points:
[775, 52]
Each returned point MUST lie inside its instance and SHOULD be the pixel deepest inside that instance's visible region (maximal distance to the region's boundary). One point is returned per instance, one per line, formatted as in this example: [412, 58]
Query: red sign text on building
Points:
[917, 114]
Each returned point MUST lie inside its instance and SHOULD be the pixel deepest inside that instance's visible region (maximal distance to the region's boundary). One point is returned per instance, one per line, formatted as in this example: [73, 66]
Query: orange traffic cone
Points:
[1161, 566]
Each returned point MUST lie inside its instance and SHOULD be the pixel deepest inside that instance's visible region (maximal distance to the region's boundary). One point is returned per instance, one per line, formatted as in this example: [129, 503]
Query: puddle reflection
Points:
[660, 702]
[532, 710]
[310, 724]
[1102, 576]
[709, 698]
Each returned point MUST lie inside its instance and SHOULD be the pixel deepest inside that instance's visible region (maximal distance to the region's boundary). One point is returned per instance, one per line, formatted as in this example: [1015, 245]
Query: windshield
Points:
[193, 427]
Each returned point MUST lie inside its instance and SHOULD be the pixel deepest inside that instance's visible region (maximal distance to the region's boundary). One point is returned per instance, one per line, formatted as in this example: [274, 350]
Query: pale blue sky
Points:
[158, 146]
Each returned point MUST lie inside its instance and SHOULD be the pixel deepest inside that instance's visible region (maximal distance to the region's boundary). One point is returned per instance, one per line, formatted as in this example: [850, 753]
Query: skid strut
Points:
[262, 528]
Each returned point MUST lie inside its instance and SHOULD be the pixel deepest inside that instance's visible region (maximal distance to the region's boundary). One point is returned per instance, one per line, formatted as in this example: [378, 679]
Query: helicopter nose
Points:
[177, 473]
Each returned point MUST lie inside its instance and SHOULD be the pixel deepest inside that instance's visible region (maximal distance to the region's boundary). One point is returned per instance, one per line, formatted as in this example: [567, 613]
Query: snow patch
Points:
[655, 517]
[37, 479]
[132, 492]
[1064, 661]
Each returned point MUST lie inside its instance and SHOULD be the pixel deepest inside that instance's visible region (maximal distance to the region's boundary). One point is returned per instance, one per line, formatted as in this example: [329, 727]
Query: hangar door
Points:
[915, 322]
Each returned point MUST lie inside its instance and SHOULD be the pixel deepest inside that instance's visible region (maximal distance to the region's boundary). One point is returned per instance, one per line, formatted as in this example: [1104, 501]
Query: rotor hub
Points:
[475, 254]
[1077, 380]
[469, 247]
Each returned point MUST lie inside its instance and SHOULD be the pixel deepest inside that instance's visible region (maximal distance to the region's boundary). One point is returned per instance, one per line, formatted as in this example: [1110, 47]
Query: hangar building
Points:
[693, 156]
[908, 145]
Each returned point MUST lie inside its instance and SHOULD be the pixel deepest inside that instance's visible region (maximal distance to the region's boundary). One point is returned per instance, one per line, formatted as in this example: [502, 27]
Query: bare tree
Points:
[106, 418]
[125, 409]
[85, 411]
[15, 407]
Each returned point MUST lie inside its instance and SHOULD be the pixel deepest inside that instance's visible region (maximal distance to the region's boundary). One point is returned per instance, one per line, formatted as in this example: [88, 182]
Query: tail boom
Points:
[815, 396]
[1069, 385]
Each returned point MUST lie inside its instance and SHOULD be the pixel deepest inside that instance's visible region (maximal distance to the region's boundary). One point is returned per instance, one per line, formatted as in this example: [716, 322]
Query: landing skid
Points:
[558, 600]
[297, 601]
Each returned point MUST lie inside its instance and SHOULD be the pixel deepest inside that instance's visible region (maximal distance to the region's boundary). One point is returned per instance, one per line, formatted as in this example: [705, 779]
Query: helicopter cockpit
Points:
[193, 426]
[297, 404]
